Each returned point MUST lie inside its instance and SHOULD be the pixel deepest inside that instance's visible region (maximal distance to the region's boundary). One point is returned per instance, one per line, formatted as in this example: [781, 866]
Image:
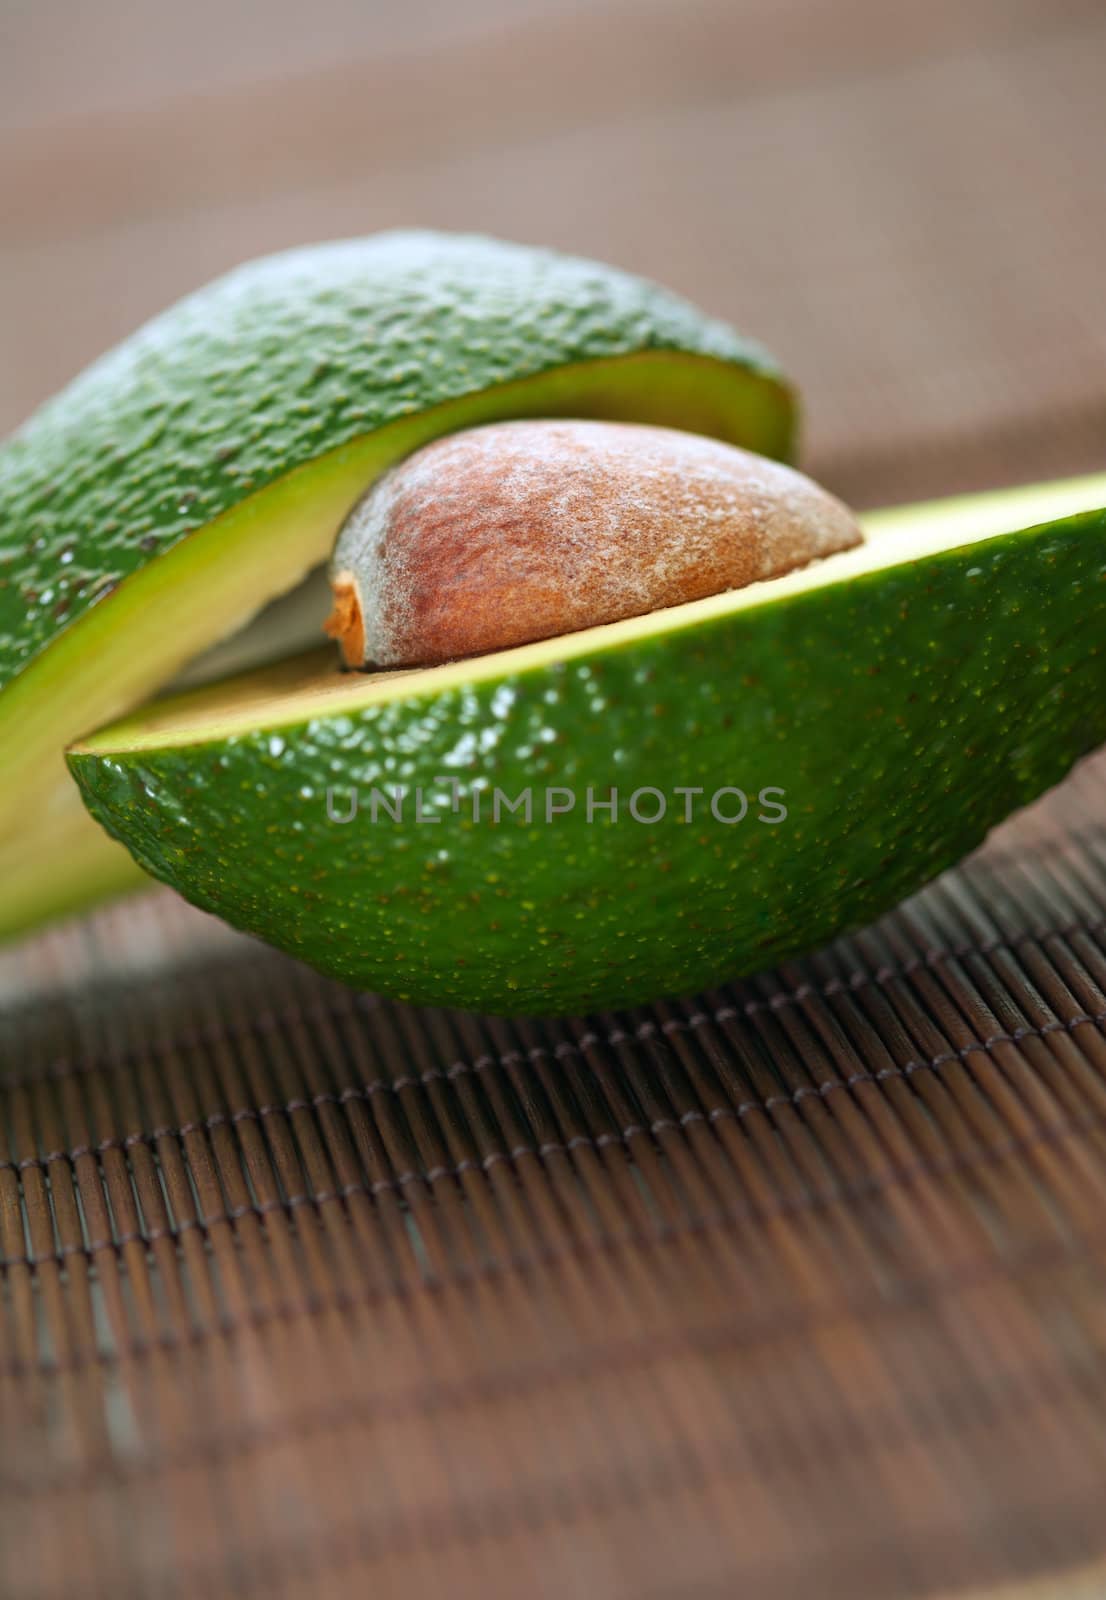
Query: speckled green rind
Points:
[903, 712]
[289, 358]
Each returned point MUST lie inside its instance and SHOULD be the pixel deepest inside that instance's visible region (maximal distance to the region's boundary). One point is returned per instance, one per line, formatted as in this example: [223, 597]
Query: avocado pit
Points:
[346, 622]
[513, 532]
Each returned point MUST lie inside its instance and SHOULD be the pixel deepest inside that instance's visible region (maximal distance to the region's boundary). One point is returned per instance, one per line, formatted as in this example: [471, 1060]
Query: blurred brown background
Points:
[905, 202]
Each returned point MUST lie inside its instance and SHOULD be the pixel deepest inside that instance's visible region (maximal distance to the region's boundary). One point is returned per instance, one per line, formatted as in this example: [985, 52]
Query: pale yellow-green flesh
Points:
[67, 850]
[65, 864]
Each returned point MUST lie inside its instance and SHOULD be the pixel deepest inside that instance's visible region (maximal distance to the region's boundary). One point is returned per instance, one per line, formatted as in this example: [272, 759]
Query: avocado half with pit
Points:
[205, 465]
[789, 760]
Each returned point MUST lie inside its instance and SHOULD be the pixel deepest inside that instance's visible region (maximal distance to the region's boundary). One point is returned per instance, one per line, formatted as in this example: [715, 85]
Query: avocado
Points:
[789, 759]
[205, 466]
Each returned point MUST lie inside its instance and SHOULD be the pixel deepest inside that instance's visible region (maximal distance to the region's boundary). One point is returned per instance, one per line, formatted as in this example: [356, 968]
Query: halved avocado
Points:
[205, 466]
[822, 744]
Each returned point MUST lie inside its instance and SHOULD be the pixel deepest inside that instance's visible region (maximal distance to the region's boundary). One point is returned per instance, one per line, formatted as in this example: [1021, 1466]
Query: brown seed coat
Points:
[528, 530]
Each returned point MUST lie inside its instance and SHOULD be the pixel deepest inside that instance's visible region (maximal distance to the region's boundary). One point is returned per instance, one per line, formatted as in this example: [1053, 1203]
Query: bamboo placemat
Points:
[795, 1288]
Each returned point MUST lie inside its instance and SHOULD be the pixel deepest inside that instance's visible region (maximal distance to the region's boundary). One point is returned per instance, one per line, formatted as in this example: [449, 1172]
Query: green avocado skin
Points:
[279, 363]
[902, 712]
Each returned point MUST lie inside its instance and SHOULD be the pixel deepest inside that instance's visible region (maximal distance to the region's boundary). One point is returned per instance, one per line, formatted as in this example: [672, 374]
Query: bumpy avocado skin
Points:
[287, 359]
[902, 712]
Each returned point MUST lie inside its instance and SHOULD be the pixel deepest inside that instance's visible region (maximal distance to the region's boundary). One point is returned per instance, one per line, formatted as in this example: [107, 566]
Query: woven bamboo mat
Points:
[796, 1289]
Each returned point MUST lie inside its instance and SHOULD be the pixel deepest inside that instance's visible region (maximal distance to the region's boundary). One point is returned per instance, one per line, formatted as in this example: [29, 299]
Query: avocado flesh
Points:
[904, 696]
[62, 865]
[205, 467]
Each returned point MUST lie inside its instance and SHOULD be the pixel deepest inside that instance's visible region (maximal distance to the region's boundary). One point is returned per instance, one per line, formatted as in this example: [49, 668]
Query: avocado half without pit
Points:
[629, 707]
